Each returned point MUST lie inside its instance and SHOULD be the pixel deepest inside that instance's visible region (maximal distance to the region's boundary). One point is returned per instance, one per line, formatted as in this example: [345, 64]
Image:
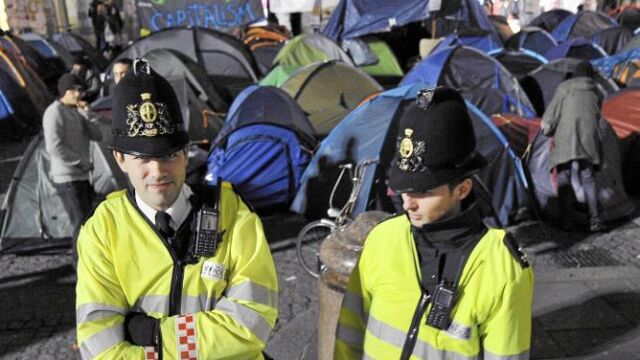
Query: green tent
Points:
[308, 49]
[387, 65]
[278, 75]
[328, 91]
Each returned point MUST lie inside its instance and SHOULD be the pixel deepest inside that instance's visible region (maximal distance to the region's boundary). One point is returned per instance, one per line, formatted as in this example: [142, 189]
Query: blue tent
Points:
[583, 24]
[532, 38]
[483, 42]
[548, 20]
[19, 118]
[5, 107]
[578, 48]
[354, 18]
[481, 79]
[369, 133]
[519, 62]
[612, 40]
[264, 147]
[606, 64]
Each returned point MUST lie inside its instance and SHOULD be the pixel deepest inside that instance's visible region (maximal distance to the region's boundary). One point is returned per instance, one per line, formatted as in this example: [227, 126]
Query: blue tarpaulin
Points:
[354, 18]
[5, 107]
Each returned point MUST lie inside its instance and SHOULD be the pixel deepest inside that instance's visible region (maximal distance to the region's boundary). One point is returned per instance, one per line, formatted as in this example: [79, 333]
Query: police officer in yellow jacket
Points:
[435, 282]
[169, 271]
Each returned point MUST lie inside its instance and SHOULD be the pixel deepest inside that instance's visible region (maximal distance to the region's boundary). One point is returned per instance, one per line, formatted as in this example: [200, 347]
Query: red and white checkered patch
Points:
[187, 342]
[150, 353]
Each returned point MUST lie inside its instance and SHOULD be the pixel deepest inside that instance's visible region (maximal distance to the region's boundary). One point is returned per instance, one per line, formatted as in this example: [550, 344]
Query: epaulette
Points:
[515, 250]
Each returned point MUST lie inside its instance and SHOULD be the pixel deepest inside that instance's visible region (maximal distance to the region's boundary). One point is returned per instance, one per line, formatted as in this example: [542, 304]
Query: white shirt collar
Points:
[178, 211]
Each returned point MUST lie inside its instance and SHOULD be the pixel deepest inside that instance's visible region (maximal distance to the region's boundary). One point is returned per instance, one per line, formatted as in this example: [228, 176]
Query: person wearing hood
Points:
[572, 120]
[435, 282]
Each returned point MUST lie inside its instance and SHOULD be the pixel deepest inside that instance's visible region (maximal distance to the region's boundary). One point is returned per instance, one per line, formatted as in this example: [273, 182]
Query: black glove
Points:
[141, 329]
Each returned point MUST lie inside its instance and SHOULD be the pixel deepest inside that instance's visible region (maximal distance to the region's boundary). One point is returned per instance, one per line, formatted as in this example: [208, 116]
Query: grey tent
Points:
[34, 215]
[226, 59]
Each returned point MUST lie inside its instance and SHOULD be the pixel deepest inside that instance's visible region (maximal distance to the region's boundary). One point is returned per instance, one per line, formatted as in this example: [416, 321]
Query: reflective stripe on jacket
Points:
[124, 266]
[491, 318]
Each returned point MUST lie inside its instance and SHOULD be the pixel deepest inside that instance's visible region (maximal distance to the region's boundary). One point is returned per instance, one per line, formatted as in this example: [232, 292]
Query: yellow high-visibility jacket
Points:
[227, 303]
[491, 318]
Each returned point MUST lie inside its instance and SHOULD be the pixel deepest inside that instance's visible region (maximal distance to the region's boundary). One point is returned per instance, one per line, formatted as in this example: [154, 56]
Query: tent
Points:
[34, 214]
[355, 18]
[611, 193]
[481, 79]
[541, 83]
[387, 71]
[532, 38]
[328, 91]
[263, 148]
[47, 69]
[576, 48]
[369, 133]
[307, 49]
[519, 62]
[622, 111]
[548, 20]
[629, 17]
[268, 105]
[265, 42]
[27, 79]
[18, 117]
[632, 44]
[583, 24]
[77, 45]
[627, 73]
[56, 54]
[481, 41]
[612, 40]
[226, 60]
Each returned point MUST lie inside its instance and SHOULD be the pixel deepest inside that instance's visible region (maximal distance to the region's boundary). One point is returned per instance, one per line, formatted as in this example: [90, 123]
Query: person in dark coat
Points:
[572, 119]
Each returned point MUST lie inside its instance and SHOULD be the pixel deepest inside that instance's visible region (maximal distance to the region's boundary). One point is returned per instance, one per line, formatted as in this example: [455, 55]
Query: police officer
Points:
[167, 270]
[435, 282]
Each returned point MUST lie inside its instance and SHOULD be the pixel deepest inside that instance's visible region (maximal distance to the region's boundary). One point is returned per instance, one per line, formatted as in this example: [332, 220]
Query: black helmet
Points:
[436, 143]
[147, 120]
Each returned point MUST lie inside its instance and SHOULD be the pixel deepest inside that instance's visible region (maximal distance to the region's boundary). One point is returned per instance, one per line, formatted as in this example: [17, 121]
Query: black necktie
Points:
[162, 223]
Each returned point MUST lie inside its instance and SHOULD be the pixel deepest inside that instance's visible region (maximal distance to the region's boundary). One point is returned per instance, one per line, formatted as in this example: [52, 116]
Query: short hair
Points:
[124, 61]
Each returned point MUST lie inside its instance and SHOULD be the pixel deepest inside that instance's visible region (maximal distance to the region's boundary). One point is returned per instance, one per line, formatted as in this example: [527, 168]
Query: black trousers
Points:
[588, 181]
[77, 200]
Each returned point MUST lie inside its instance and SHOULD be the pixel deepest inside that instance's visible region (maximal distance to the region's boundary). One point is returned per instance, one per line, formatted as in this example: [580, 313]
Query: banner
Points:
[155, 15]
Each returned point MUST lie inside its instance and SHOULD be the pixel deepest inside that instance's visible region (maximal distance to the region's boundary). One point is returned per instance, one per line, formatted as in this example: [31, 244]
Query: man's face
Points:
[435, 204]
[119, 71]
[80, 70]
[72, 97]
[156, 180]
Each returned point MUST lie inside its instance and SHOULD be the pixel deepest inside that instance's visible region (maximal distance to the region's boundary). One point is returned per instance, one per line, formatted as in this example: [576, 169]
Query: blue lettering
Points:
[244, 11]
[209, 20]
[157, 16]
[230, 14]
[220, 16]
[169, 22]
[180, 17]
[194, 14]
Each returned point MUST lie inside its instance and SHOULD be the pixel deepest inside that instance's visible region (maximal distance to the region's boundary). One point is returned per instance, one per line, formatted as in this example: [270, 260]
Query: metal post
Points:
[62, 18]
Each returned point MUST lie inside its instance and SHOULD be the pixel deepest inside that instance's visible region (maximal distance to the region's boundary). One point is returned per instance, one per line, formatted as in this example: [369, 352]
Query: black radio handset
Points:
[207, 225]
[443, 299]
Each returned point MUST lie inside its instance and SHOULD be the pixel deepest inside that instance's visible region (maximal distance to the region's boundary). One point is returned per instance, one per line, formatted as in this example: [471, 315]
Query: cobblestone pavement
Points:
[37, 291]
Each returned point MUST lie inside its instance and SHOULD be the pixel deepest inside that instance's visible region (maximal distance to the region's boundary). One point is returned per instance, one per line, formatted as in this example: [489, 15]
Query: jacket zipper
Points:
[412, 334]
[175, 295]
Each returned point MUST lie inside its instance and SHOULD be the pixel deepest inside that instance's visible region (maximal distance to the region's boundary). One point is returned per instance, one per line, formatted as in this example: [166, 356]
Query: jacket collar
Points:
[454, 232]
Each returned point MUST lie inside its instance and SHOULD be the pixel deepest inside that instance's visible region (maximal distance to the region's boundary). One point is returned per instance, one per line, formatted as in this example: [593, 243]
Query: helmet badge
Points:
[406, 145]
